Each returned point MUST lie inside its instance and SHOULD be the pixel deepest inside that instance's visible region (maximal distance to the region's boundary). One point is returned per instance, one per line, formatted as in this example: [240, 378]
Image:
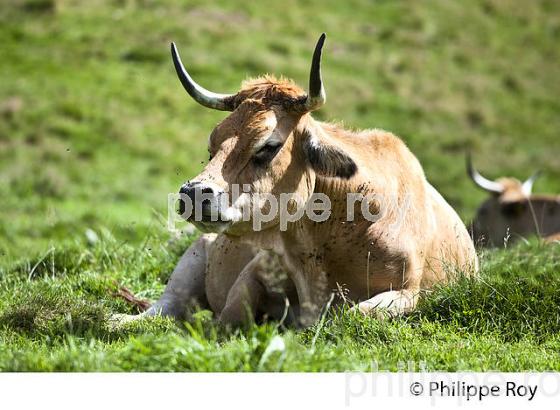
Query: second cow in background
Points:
[512, 211]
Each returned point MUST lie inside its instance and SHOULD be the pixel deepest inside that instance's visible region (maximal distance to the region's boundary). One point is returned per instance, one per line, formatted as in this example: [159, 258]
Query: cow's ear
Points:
[325, 157]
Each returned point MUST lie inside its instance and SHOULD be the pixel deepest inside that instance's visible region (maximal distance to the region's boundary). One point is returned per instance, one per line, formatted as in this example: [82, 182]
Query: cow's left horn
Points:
[527, 186]
[316, 96]
[223, 102]
[484, 183]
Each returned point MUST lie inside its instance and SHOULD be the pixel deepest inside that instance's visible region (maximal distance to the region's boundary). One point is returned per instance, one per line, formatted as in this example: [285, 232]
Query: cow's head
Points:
[268, 145]
[505, 211]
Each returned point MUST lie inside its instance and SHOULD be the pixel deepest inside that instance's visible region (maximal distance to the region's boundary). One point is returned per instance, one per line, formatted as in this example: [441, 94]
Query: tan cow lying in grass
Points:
[270, 144]
[512, 211]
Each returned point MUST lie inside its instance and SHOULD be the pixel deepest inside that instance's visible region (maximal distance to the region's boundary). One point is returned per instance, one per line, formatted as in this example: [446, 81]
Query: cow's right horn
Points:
[223, 102]
[316, 96]
[527, 186]
[479, 180]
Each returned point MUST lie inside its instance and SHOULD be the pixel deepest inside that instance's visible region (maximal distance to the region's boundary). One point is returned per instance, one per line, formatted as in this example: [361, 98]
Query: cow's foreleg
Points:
[185, 289]
[389, 304]
[247, 293]
[313, 295]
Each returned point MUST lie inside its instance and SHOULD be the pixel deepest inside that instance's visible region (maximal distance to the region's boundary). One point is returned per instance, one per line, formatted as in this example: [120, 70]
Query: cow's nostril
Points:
[192, 193]
[187, 194]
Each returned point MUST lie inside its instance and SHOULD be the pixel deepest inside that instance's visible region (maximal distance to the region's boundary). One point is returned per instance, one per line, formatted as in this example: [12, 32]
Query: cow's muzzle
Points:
[200, 202]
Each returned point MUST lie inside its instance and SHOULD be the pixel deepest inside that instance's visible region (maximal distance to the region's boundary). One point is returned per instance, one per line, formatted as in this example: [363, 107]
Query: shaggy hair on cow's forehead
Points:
[271, 89]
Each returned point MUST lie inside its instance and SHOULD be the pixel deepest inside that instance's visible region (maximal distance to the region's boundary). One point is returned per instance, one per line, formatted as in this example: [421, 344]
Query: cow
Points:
[272, 145]
[512, 211]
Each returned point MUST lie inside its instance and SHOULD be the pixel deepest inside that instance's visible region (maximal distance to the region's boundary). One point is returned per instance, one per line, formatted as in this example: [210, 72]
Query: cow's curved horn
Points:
[486, 184]
[223, 102]
[316, 96]
[527, 186]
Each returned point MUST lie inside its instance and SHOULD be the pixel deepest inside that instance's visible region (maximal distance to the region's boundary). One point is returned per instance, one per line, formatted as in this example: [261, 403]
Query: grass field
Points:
[95, 131]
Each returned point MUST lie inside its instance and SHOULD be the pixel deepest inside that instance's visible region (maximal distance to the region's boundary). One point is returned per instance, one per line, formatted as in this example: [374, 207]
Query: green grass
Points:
[58, 320]
[95, 131]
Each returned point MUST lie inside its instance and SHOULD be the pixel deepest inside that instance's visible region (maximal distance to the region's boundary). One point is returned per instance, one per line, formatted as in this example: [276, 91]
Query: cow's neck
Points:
[306, 236]
[305, 232]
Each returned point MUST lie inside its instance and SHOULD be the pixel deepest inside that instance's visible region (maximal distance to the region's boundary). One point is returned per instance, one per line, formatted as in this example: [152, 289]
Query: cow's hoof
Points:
[120, 319]
[368, 309]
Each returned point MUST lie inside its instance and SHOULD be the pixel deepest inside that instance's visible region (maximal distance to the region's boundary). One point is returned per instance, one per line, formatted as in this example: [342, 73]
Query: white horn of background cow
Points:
[527, 186]
[222, 102]
[316, 96]
[486, 184]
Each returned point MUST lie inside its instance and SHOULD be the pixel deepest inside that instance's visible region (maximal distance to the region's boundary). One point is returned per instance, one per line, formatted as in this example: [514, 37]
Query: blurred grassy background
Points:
[95, 128]
[95, 131]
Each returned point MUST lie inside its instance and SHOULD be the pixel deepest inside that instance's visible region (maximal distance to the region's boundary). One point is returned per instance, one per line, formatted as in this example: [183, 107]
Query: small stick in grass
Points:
[129, 297]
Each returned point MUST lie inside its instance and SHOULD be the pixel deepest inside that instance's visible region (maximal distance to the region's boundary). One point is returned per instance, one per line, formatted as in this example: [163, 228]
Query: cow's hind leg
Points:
[390, 304]
[395, 303]
[185, 289]
[261, 289]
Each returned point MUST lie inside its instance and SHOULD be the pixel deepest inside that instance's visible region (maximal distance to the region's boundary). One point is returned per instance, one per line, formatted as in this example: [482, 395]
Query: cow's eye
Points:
[266, 153]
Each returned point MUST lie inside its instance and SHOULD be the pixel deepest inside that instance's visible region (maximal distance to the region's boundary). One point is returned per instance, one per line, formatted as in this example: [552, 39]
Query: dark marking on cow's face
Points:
[513, 210]
[328, 160]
